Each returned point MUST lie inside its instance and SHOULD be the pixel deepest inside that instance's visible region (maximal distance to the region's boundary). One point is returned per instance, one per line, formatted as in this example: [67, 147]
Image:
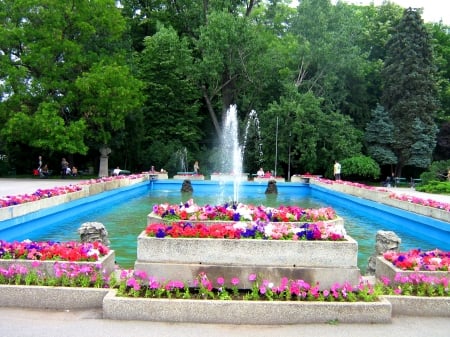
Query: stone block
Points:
[244, 312]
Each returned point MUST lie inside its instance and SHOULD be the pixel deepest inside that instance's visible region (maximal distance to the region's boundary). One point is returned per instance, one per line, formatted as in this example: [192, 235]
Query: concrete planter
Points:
[419, 306]
[326, 262]
[387, 269]
[244, 312]
[51, 297]
[106, 264]
[229, 177]
[266, 180]
[189, 177]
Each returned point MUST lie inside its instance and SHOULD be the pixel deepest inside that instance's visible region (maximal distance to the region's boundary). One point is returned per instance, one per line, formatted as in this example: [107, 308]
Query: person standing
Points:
[260, 172]
[39, 163]
[196, 167]
[64, 166]
[337, 170]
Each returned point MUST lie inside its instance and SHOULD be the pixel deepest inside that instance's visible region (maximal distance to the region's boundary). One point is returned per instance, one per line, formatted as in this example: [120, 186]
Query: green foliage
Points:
[438, 171]
[360, 166]
[437, 187]
[378, 137]
[410, 95]
[171, 109]
[64, 79]
[46, 130]
[316, 138]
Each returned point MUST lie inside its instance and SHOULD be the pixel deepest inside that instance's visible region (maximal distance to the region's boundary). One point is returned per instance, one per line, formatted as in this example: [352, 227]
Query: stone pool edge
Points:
[383, 197]
[212, 311]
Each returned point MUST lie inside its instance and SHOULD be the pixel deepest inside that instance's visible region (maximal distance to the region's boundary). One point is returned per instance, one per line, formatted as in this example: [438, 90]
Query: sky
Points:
[433, 10]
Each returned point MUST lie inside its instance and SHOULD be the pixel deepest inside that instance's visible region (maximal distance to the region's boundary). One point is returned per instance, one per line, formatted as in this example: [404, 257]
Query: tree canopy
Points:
[151, 78]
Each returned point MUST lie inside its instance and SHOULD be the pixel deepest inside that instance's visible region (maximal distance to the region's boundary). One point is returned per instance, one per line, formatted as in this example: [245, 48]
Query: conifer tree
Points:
[379, 137]
[410, 94]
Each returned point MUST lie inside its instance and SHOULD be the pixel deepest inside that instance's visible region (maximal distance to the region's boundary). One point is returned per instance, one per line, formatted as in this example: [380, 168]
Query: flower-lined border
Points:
[419, 260]
[13, 200]
[50, 250]
[189, 210]
[252, 230]
[402, 197]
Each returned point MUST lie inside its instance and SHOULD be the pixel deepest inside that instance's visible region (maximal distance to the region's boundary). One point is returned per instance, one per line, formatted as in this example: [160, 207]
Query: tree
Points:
[409, 93]
[64, 74]
[171, 109]
[360, 166]
[316, 138]
[379, 137]
[331, 62]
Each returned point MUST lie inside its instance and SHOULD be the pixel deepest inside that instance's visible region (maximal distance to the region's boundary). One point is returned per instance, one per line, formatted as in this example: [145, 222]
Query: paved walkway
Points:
[29, 322]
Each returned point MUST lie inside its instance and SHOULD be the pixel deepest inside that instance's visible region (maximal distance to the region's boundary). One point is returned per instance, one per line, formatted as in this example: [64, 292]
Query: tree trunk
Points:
[212, 112]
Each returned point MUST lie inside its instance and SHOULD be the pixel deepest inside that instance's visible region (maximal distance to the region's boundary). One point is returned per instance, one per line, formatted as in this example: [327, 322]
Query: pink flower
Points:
[235, 281]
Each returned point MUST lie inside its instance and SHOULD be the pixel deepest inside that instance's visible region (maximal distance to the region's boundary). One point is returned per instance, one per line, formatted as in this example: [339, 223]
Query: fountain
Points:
[184, 173]
[232, 170]
[230, 145]
[181, 156]
[253, 119]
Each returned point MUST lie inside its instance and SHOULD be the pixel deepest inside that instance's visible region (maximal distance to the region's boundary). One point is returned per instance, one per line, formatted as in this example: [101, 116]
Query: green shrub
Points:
[434, 186]
[360, 166]
[438, 171]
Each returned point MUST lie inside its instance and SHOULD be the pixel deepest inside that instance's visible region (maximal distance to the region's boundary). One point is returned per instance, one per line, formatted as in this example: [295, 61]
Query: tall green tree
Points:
[332, 63]
[315, 138]
[65, 81]
[410, 94]
[166, 65]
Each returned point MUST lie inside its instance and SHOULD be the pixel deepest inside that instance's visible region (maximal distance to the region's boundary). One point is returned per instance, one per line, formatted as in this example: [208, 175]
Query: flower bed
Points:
[419, 260]
[140, 297]
[184, 258]
[48, 257]
[242, 230]
[240, 212]
[395, 266]
[38, 195]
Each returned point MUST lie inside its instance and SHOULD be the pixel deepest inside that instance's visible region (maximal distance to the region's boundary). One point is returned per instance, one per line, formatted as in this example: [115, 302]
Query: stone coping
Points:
[419, 306]
[189, 177]
[267, 179]
[18, 214]
[106, 264]
[59, 298]
[228, 177]
[383, 198]
[249, 252]
[187, 272]
[387, 269]
[244, 312]
[212, 311]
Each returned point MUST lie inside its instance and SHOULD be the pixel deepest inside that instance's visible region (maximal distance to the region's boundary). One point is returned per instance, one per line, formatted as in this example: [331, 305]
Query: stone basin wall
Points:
[326, 262]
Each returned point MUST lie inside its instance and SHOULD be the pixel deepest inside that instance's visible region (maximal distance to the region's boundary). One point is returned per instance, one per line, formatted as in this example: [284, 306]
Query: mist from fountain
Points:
[230, 148]
[181, 157]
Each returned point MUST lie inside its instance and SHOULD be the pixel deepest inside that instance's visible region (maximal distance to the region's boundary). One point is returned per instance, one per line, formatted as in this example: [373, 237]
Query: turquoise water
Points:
[125, 217]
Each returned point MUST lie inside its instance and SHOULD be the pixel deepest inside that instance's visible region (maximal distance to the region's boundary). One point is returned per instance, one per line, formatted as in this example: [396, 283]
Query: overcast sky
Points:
[433, 10]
